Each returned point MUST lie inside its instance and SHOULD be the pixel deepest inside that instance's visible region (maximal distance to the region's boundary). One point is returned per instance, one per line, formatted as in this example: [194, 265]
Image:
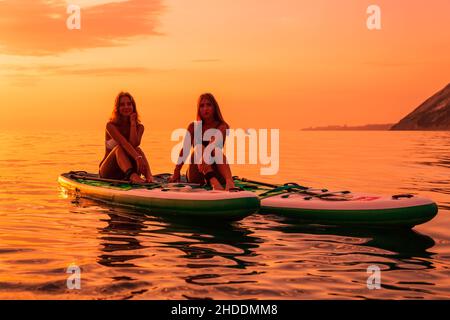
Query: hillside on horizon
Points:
[432, 114]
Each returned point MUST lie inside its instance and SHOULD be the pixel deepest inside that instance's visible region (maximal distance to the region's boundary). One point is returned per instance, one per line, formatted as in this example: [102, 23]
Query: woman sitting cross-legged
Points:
[217, 173]
[124, 159]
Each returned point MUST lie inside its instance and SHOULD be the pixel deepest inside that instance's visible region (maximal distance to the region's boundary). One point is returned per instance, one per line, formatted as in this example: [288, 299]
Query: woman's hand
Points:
[175, 177]
[140, 163]
[133, 118]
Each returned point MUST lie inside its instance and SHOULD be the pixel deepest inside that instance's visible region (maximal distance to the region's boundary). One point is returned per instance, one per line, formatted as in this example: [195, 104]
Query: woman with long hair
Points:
[124, 159]
[218, 173]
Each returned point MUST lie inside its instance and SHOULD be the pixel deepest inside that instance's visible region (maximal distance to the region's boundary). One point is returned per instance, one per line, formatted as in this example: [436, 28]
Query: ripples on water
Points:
[125, 254]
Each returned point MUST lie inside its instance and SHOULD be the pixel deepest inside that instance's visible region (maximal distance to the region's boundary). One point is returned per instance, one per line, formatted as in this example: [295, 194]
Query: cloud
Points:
[393, 64]
[205, 60]
[18, 80]
[20, 75]
[38, 27]
[59, 70]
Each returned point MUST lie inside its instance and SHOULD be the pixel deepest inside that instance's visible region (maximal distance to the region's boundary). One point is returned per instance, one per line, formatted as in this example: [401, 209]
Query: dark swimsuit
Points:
[214, 166]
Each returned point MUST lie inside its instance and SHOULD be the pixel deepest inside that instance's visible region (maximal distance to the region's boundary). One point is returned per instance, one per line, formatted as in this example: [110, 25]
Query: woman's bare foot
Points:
[135, 178]
[215, 184]
[229, 185]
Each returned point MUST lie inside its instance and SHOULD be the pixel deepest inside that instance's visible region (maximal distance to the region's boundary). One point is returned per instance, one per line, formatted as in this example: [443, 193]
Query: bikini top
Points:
[110, 144]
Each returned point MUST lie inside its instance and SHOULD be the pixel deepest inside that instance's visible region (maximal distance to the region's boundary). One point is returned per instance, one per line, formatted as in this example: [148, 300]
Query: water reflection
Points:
[399, 245]
[120, 235]
[203, 244]
[226, 240]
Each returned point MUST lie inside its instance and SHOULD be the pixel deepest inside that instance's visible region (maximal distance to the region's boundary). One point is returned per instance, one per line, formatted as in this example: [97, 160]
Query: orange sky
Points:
[272, 64]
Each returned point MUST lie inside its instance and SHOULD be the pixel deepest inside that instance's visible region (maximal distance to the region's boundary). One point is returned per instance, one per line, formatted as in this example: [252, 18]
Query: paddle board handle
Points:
[398, 196]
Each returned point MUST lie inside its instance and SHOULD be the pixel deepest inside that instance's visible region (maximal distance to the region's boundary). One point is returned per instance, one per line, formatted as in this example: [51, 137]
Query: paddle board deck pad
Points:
[161, 197]
[321, 206]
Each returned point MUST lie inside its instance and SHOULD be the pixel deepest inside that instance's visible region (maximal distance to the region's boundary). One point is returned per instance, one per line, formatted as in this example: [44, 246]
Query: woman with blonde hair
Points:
[124, 159]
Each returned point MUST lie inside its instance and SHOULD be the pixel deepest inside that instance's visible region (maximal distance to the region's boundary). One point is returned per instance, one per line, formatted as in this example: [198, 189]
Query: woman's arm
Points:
[120, 139]
[176, 173]
[215, 146]
[183, 156]
[223, 130]
[136, 132]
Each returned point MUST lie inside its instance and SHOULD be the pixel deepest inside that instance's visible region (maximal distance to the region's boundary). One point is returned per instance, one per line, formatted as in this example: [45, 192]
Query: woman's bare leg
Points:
[124, 162]
[204, 169]
[194, 175]
[225, 171]
[147, 171]
[109, 168]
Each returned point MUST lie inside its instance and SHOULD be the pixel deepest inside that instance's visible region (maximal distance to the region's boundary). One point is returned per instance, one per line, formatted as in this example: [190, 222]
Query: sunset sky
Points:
[271, 64]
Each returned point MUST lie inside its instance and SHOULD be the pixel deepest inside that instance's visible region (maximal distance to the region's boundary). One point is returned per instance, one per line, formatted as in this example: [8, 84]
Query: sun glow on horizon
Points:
[278, 64]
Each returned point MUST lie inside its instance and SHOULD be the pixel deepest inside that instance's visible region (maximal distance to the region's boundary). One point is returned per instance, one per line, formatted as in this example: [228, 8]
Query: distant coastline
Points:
[367, 127]
[432, 115]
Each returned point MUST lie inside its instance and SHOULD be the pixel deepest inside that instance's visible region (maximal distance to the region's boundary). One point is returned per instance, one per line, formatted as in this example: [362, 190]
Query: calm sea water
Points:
[124, 254]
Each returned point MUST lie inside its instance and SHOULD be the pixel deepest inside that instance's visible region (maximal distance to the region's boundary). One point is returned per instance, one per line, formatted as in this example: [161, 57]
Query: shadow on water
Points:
[401, 244]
